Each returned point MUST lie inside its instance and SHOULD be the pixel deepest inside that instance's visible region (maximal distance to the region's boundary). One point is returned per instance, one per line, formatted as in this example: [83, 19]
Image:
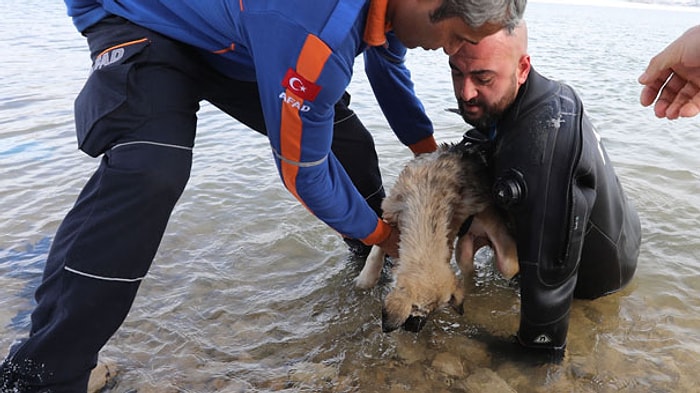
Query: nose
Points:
[452, 46]
[468, 90]
[414, 323]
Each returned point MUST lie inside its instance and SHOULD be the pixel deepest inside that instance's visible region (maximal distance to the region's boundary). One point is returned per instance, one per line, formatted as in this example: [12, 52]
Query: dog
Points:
[433, 196]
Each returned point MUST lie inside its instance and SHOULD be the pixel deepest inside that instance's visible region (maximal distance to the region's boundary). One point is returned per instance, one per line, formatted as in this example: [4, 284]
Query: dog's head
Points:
[416, 294]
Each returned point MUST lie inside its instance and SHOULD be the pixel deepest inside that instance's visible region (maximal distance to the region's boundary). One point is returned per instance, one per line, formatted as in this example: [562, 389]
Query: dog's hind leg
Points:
[372, 271]
[464, 255]
[502, 243]
[489, 229]
[506, 252]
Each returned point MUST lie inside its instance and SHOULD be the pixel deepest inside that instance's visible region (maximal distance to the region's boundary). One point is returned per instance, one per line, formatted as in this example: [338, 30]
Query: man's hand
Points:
[672, 79]
[390, 245]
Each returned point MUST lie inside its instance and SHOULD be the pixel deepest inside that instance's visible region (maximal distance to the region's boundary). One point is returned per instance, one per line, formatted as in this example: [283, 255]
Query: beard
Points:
[488, 118]
[490, 114]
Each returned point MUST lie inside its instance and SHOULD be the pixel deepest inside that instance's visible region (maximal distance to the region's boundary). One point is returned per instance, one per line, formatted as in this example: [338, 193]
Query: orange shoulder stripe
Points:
[312, 58]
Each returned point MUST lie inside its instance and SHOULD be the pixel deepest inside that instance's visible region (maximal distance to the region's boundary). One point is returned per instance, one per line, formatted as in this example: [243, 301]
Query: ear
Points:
[523, 69]
[395, 311]
[457, 301]
[392, 206]
[392, 217]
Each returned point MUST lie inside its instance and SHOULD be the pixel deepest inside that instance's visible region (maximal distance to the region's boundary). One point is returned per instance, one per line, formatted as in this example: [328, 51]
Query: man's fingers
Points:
[660, 108]
[668, 97]
[654, 77]
[690, 109]
[648, 95]
[652, 87]
[678, 92]
[685, 99]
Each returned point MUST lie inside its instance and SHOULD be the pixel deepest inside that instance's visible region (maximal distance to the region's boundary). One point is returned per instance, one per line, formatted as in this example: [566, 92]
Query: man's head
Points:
[447, 24]
[486, 77]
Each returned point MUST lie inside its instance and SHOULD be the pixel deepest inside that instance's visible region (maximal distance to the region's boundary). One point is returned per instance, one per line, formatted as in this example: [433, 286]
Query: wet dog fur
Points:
[433, 195]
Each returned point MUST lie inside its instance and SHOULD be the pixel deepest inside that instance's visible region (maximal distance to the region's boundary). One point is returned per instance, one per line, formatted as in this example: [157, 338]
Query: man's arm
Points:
[541, 153]
[393, 88]
[300, 80]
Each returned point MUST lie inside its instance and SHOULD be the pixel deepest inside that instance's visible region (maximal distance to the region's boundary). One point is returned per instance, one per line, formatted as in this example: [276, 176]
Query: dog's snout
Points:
[388, 328]
[414, 323]
[389, 322]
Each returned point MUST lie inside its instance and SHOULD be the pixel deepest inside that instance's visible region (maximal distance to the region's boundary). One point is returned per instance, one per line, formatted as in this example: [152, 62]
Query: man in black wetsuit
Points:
[577, 234]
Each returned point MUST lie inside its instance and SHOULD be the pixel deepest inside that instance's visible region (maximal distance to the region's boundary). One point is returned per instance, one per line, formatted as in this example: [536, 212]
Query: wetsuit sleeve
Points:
[557, 194]
[393, 88]
[300, 79]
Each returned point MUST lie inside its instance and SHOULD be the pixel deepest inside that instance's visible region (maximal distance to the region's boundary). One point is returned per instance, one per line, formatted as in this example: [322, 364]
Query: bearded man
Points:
[577, 234]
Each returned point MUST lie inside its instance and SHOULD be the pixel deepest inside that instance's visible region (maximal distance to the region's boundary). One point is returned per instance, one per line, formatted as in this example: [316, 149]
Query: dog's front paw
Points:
[372, 271]
[363, 281]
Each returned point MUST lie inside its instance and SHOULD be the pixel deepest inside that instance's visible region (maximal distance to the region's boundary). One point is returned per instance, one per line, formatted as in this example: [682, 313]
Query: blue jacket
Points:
[301, 54]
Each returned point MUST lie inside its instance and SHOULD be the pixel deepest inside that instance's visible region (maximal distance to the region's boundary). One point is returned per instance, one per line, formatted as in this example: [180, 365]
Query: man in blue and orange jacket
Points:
[280, 67]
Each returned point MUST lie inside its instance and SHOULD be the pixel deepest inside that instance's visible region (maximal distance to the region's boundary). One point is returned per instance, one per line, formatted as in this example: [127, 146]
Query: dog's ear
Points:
[457, 305]
[392, 206]
[391, 217]
[395, 311]
[457, 300]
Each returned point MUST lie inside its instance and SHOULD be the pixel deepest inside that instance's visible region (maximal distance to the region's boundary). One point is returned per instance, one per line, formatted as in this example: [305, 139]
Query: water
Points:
[250, 293]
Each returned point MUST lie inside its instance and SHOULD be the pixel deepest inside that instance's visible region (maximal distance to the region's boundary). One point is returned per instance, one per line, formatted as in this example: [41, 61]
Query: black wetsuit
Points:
[577, 234]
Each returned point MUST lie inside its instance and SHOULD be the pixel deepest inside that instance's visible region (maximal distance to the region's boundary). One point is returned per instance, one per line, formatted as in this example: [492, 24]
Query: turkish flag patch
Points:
[300, 86]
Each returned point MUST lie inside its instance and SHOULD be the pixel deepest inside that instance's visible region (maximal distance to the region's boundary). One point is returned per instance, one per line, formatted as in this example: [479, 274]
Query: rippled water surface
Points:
[250, 293]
